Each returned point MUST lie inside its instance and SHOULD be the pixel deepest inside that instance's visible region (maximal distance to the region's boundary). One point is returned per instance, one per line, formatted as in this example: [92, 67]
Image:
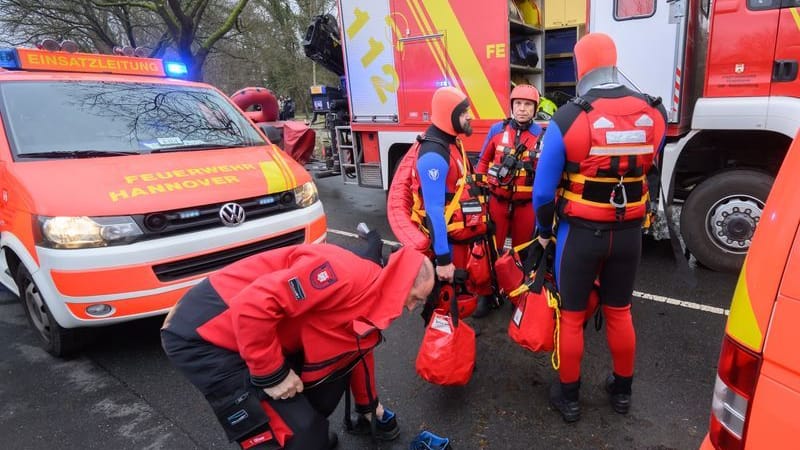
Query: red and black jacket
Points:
[318, 300]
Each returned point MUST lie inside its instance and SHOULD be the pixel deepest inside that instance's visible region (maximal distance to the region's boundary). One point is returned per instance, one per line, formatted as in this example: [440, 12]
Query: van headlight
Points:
[306, 195]
[84, 232]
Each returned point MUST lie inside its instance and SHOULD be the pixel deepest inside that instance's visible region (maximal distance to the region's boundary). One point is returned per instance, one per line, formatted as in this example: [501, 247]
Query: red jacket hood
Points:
[391, 288]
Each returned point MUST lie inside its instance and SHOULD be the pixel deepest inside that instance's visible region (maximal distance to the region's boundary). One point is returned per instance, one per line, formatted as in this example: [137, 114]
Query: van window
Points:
[633, 9]
[758, 5]
[52, 119]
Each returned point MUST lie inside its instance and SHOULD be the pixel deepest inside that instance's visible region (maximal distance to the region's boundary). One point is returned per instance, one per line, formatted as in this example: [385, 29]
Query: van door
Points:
[741, 48]
[785, 79]
[650, 38]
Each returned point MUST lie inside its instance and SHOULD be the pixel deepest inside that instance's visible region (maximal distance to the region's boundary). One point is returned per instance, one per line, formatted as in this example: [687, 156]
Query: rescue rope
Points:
[555, 357]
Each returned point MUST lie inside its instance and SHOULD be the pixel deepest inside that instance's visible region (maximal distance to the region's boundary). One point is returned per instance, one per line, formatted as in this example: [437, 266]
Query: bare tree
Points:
[268, 51]
[191, 27]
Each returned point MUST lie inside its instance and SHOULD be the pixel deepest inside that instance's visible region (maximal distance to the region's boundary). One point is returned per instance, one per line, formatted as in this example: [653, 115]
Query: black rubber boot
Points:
[619, 392]
[486, 304]
[564, 398]
[386, 429]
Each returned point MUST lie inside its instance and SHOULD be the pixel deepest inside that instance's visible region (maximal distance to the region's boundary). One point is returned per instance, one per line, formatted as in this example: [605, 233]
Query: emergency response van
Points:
[121, 186]
[757, 389]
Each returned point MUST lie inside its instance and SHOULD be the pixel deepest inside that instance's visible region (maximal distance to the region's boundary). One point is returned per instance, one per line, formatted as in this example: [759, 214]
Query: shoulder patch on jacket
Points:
[297, 289]
[323, 276]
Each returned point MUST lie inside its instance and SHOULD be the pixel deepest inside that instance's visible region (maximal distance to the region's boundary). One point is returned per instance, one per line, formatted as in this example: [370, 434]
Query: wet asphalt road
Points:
[122, 393]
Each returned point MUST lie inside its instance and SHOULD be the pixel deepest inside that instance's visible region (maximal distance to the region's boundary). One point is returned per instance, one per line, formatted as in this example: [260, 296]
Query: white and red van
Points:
[122, 186]
[757, 388]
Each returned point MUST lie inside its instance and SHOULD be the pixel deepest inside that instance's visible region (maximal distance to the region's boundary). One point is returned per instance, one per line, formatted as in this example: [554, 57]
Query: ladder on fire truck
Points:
[351, 162]
[349, 154]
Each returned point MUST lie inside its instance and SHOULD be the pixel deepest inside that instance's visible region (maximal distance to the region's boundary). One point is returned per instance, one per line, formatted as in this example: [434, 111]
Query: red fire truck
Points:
[727, 74]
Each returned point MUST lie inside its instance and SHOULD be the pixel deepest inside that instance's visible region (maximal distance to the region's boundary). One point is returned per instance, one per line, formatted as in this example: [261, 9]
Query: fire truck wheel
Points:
[720, 216]
[56, 340]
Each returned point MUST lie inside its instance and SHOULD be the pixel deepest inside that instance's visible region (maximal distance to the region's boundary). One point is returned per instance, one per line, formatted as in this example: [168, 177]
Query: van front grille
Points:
[176, 270]
[186, 220]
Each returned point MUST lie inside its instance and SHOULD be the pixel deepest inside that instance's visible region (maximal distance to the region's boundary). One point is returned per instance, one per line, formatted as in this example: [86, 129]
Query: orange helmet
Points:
[447, 105]
[593, 51]
[525, 92]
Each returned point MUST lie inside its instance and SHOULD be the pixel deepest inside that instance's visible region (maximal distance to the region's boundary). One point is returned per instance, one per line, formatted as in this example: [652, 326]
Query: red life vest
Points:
[465, 213]
[606, 181]
[510, 174]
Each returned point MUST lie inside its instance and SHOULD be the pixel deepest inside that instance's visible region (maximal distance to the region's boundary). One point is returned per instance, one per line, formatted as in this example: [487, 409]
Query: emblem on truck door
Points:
[232, 214]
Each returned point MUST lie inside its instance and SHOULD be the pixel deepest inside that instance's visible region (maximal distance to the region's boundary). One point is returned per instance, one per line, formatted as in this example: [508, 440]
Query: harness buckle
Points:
[619, 199]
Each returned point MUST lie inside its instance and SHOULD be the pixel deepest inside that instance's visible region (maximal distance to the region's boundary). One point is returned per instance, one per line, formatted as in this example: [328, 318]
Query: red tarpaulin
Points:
[295, 138]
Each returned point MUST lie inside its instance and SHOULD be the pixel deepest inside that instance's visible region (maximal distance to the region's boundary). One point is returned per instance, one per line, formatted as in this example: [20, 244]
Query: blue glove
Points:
[429, 441]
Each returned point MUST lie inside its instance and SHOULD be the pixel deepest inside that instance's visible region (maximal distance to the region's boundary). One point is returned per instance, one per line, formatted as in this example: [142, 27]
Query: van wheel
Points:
[56, 340]
[720, 216]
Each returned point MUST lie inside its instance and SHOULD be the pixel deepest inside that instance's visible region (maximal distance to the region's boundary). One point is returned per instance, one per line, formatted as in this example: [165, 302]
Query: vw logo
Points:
[232, 214]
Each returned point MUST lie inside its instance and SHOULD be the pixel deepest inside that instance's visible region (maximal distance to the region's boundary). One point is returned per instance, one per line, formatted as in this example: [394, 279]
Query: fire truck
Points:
[725, 70]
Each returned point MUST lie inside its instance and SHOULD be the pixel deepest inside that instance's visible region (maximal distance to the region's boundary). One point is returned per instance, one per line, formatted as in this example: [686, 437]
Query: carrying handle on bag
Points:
[459, 277]
[542, 267]
[430, 302]
[454, 308]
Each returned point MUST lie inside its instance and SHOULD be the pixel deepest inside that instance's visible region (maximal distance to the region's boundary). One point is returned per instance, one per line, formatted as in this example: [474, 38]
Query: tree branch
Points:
[109, 4]
[229, 22]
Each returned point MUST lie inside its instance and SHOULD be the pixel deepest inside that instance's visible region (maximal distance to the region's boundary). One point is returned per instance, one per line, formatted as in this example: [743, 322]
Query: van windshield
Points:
[68, 119]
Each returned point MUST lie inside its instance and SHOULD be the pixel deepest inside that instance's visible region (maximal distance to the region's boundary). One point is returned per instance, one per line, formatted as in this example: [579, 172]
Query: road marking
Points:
[683, 303]
[641, 295]
[353, 235]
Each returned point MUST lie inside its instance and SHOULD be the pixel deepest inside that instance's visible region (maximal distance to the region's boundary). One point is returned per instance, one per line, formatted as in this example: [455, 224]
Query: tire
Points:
[720, 215]
[57, 341]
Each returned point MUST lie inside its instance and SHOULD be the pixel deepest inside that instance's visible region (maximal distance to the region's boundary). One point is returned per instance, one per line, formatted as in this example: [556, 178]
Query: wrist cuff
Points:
[443, 260]
[270, 380]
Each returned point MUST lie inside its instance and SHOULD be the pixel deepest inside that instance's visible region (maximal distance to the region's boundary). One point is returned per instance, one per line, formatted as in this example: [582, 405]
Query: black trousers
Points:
[583, 254]
[222, 376]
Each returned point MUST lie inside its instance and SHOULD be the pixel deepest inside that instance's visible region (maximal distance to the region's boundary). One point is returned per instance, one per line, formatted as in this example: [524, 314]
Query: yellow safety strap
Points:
[649, 216]
[581, 179]
[522, 246]
[456, 201]
[572, 196]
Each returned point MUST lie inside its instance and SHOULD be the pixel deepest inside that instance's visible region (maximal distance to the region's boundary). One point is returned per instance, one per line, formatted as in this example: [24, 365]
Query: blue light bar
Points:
[266, 201]
[175, 69]
[8, 58]
[192, 213]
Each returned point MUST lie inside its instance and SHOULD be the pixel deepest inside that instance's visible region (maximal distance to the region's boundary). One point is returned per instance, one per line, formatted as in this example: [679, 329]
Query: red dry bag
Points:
[447, 353]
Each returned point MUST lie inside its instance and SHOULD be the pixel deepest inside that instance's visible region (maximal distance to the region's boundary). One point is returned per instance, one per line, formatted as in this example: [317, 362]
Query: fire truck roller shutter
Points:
[720, 215]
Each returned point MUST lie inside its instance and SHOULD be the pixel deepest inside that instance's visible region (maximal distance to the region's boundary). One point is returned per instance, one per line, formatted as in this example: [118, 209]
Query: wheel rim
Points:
[731, 222]
[37, 310]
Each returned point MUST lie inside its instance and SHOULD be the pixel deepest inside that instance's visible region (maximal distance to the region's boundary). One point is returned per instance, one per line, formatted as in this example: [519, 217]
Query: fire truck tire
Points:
[720, 215]
[57, 341]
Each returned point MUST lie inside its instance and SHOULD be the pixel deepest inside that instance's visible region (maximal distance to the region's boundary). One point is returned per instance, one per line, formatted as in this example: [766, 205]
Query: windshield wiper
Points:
[179, 148]
[76, 154]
